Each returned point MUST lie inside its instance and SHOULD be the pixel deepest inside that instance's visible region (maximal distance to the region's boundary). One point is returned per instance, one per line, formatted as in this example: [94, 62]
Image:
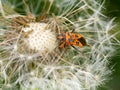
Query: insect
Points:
[71, 39]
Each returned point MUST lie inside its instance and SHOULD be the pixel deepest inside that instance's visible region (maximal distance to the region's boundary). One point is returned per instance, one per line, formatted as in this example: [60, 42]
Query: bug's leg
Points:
[73, 30]
[76, 49]
[79, 51]
[62, 45]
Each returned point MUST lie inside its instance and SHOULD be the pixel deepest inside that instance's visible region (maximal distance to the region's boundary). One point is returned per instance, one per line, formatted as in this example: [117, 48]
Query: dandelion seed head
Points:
[40, 38]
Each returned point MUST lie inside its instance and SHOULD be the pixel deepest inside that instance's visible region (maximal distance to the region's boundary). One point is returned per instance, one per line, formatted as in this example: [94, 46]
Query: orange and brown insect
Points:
[71, 39]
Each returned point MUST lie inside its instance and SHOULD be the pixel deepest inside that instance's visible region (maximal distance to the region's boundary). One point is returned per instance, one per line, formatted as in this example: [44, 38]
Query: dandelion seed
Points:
[8, 85]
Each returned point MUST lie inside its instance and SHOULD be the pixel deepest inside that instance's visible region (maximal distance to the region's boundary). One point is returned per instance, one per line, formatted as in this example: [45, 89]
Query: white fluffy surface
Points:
[40, 38]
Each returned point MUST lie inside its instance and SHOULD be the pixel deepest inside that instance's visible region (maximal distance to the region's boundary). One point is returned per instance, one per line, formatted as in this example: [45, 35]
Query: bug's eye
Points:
[63, 39]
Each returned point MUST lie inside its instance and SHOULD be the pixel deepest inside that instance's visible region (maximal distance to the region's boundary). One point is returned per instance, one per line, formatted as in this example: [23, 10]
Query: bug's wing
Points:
[82, 41]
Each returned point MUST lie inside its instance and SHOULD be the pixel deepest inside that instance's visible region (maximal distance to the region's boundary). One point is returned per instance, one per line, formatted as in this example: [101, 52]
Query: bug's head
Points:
[61, 37]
